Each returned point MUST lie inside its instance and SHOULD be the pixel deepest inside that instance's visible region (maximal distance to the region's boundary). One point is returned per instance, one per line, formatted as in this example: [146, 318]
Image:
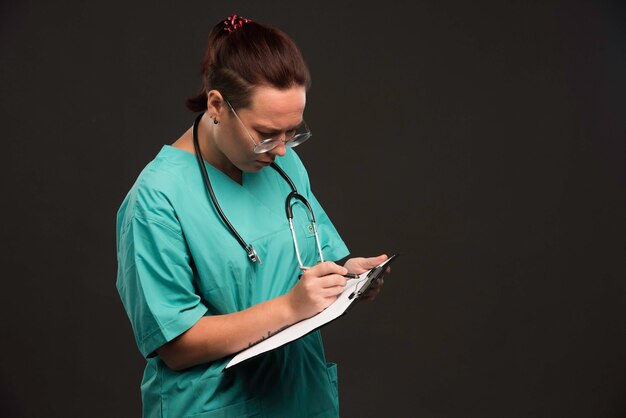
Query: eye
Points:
[266, 135]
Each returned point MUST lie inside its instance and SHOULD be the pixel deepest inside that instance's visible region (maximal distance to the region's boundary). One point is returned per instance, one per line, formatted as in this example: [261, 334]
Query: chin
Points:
[259, 165]
[253, 168]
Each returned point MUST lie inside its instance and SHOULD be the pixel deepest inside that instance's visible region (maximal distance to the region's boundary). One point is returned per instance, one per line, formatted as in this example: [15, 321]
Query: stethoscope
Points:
[294, 195]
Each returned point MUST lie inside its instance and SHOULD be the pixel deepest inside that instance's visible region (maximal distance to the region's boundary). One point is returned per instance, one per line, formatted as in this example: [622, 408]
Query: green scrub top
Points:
[178, 262]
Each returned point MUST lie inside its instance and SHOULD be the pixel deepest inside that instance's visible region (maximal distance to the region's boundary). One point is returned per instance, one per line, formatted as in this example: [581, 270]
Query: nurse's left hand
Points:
[360, 265]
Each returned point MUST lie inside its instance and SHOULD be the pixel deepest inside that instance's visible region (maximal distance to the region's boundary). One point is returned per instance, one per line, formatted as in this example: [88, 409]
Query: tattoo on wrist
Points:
[269, 334]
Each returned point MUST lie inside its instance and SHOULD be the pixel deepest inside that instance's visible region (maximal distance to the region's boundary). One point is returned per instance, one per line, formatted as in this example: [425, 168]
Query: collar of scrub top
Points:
[292, 198]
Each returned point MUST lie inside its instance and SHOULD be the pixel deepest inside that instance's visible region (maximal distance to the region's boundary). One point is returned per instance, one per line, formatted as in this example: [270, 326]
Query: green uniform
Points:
[177, 262]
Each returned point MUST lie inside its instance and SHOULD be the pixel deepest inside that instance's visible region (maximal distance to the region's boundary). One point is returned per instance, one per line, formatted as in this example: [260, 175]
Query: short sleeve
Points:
[155, 280]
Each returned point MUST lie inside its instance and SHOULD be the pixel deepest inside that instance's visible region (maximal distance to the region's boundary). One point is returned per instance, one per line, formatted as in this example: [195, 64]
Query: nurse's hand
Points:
[318, 287]
[360, 265]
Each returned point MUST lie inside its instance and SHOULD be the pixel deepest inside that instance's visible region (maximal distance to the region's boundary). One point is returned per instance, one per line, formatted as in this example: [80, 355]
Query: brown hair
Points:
[237, 60]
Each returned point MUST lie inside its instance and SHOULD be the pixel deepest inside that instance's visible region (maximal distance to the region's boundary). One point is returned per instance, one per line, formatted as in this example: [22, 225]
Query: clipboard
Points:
[372, 277]
[355, 288]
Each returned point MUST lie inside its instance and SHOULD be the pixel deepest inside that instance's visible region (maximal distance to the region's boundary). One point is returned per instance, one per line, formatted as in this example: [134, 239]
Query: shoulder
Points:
[159, 185]
[293, 165]
[168, 171]
[292, 158]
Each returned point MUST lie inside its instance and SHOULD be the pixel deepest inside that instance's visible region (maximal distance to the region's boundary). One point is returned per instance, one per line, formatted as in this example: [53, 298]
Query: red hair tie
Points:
[234, 22]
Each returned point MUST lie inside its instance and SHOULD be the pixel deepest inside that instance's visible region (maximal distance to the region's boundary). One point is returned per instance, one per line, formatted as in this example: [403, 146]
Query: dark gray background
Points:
[482, 140]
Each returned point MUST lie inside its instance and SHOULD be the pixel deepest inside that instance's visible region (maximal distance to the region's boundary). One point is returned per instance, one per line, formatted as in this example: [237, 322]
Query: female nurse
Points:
[207, 261]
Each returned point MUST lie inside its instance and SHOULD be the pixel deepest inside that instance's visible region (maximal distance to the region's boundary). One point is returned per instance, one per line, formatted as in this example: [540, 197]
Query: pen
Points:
[347, 275]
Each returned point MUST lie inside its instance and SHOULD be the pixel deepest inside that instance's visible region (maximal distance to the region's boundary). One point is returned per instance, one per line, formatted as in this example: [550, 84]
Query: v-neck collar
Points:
[263, 192]
[244, 175]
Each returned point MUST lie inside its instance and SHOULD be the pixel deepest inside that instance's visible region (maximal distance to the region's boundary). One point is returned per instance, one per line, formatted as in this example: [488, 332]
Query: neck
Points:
[211, 152]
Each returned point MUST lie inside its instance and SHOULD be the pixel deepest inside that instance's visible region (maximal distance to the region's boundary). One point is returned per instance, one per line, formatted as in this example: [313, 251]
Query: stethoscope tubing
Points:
[293, 195]
[205, 177]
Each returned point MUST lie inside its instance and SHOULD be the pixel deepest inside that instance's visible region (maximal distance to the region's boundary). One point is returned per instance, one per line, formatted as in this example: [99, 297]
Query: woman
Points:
[197, 290]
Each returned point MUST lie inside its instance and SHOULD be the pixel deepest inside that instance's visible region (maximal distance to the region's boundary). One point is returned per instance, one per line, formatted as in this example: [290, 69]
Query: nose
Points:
[279, 151]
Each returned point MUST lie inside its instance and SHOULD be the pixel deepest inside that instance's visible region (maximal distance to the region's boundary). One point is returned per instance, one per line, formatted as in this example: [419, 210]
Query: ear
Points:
[215, 103]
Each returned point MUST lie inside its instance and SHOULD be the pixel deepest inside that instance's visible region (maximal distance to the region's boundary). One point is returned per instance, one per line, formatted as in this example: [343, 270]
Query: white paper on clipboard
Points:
[300, 329]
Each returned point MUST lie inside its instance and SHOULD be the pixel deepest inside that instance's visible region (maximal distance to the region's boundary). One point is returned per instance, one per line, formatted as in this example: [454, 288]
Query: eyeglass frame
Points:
[289, 143]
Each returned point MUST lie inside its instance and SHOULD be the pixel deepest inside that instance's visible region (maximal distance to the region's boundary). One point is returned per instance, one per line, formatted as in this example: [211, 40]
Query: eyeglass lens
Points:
[271, 143]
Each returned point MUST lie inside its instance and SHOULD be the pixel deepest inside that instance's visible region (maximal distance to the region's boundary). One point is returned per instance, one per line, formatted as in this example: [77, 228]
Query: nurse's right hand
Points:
[318, 287]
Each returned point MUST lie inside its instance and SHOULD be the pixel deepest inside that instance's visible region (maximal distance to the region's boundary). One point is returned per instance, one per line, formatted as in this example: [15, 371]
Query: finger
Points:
[332, 280]
[314, 283]
[378, 283]
[315, 274]
[326, 268]
[370, 295]
[357, 265]
[372, 292]
[383, 275]
[332, 292]
[372, 262]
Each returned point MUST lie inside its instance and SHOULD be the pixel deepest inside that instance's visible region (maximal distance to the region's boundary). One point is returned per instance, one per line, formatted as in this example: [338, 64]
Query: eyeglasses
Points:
[293, 137]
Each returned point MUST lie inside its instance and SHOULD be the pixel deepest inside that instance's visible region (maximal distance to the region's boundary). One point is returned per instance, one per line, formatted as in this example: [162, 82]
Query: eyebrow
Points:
[270, 131]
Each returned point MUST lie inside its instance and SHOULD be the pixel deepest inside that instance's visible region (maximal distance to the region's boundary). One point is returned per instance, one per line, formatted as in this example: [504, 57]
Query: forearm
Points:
[217, 336]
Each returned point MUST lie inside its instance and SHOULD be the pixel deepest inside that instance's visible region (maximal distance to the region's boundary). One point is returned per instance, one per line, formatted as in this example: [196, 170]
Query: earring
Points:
[215, 121]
